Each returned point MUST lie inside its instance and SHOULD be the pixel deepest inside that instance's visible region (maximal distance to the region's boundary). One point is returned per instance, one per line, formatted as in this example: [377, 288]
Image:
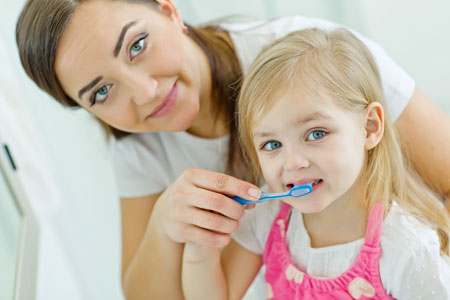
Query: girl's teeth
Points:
[313, 182]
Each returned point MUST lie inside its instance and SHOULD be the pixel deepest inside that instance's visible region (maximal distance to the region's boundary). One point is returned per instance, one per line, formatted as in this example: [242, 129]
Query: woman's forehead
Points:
[90, 39]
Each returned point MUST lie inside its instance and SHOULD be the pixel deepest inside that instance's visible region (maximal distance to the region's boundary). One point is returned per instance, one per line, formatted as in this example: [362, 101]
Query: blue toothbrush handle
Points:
[297, 191]
[245, 201]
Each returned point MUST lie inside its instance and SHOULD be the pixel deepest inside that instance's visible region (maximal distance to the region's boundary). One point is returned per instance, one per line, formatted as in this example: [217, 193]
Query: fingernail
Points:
[243, 214]
[254, 193]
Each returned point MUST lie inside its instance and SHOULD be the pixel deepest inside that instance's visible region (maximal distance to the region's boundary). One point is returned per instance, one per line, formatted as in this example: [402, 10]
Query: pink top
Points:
[361, 281]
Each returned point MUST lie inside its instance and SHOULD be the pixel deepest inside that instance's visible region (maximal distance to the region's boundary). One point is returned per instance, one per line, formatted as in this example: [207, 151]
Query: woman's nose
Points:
[144, 91]
[295, 160]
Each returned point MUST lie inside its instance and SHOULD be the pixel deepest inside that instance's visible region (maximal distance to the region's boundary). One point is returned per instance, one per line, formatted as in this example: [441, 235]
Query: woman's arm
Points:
[150, 259]
[202, 276]
[193, 209]
[209, 274]
[424, 131]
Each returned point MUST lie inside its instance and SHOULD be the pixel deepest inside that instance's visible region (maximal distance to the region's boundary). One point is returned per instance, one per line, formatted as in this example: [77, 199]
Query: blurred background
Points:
[64, 177]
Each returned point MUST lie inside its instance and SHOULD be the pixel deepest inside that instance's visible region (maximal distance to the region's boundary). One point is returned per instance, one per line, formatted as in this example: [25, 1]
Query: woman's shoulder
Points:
[148, 144]
[278, 26]
[137, 140]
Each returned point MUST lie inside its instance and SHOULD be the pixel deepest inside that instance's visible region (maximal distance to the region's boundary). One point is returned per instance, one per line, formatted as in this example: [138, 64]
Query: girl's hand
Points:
[195, 207]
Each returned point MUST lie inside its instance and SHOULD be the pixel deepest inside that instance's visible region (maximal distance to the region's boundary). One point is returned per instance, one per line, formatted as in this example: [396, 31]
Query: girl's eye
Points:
[272, 145]
[100, 95]
[137, 47]
[316, 135]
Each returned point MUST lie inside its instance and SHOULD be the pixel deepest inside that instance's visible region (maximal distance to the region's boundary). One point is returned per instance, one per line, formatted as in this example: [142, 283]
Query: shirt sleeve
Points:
[422, 274]
[246, 234]
[255, 226]
[138, 172]
[398, 86]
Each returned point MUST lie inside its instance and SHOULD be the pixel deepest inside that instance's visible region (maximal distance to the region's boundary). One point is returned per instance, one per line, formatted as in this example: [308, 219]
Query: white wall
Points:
[79, 253]
[80, 249]
[415, 33]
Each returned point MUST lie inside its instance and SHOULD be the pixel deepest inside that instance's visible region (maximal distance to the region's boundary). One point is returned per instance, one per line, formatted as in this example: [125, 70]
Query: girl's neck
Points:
[343, 221]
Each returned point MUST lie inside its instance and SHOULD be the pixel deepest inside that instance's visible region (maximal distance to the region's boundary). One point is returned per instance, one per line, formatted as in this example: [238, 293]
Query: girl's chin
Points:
[306, 206]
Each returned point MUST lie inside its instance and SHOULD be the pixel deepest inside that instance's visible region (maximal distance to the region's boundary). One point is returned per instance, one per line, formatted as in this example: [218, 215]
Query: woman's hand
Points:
[195, 207]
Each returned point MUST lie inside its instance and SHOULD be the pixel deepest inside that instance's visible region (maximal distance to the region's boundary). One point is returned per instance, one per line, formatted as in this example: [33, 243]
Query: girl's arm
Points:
[210, 274]
[424, 131]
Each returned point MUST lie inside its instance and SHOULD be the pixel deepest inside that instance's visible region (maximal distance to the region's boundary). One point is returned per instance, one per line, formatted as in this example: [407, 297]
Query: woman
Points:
[135, 66]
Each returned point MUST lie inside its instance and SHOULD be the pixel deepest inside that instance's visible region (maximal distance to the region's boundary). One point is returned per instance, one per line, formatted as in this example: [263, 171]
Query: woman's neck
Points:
[211, 122]
[343, 221]
[210, 125]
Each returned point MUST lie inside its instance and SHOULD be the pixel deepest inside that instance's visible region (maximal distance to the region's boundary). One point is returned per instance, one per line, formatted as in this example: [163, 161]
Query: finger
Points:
[220, 203]
[250, 206]
[211, 221]
[222, 183]
[205, 237]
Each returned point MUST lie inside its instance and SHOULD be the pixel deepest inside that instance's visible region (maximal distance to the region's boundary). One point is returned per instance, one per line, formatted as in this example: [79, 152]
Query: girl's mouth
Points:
[314, 184]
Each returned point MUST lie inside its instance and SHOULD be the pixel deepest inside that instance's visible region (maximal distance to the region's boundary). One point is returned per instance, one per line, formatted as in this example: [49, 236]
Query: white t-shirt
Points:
[148, 163]
[410, 265]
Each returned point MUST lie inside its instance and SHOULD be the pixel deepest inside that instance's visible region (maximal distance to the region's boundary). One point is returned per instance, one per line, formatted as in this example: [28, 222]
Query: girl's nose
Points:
[144, 91]
[295, 160]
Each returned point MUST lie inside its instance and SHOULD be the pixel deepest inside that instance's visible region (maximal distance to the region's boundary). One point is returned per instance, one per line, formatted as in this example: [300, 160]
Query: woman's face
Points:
[132, 66]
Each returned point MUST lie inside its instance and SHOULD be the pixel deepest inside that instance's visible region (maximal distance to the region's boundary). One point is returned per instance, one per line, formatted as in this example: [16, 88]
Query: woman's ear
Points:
[373, 125]
[170, 10]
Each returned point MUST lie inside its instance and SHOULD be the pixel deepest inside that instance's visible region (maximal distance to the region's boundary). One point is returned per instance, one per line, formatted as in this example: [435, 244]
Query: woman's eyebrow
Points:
[115, 53]
[122, 36]
[89, 86]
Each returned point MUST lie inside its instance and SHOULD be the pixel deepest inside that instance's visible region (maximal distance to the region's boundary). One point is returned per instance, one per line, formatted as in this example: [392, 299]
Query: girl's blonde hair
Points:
[338, 64]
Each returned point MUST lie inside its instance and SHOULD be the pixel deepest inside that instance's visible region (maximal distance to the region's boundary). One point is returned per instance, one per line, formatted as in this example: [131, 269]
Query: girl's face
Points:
[132, 66]
[308, 139]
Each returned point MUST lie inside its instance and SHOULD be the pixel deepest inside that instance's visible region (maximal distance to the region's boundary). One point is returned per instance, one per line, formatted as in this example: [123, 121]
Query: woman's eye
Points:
[316, 135]
[272, 145]
[100, 95]
[136, 48]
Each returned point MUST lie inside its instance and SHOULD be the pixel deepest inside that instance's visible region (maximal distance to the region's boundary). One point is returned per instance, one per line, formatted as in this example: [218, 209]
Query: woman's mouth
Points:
[167, 103]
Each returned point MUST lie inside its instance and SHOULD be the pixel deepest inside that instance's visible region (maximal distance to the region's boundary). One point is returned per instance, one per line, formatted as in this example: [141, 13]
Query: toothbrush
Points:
[296, 191]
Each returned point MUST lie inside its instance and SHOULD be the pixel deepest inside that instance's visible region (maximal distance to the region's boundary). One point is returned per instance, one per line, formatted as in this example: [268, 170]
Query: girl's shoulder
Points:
[412, 265]
[401, 229]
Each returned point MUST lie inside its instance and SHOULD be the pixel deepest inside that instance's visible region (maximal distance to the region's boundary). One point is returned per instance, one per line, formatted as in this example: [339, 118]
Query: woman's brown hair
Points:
[42, 23]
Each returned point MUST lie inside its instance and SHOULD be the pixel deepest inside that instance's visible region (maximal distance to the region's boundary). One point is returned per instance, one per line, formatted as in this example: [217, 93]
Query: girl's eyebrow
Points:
[261, 134]
[311, 117]
[314, 116]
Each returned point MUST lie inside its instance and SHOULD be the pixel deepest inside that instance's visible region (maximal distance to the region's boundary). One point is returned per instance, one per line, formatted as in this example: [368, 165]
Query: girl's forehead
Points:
[298, 106]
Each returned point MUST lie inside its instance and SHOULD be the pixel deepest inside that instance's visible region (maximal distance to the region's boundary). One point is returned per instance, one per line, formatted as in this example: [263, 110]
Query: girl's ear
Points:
[170, 10]
[374, 125]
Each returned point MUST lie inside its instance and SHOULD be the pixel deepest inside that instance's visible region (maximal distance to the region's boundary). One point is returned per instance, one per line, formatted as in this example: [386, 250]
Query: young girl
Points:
[311, 111]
